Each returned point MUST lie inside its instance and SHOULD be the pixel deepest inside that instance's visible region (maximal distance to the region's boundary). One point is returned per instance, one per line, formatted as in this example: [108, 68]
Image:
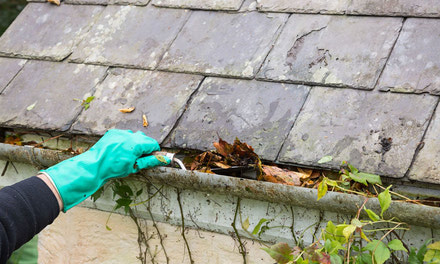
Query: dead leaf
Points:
[144, 120]
[221, 165]
[126, 110]
[13, 140]
[223, 147]
[56, 2]
[281, 175]
[305, 173]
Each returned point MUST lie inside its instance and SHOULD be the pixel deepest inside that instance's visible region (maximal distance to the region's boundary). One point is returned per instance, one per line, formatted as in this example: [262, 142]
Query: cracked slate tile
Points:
[9, 67]
[258, 113]
[425, 8]
[42, 95]
[161, 96]
[108, 2]
[130, 36]
[426, 166]
[201, 4]
[332, 50]
[304, 6]
[217, 43]
[48, 31]
[376, 132]
[414, 64]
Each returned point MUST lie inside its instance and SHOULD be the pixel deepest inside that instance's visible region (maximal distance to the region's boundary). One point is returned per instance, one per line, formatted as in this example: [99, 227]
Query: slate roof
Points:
[355, 79]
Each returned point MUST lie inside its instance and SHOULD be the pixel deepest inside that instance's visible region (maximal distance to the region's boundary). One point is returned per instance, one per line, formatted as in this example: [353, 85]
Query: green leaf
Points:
[245, 224]
[280, 252]
[335, 259]
[396, 244]
[258, 226]
[89, 99]
[384, 200]
[356, 222]
[29, 108]
[352, 168]
[124, 201]
[422, 251]
[372, 215]
[331, 182]
[371, 178]
[108, 228]
[86, 106]
[123, 190]
[355, 177]
[435, 245]
[348, 231]
[322, 189]
[325, 159]
[379, 250]
[161, 159]
[364, 258]
[363, 236]
[412, 257]
[139, 192]
[97, 194]
[433, 254]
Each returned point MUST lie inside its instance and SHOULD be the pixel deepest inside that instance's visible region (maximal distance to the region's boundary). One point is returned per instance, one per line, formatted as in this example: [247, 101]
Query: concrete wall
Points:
[80, 235]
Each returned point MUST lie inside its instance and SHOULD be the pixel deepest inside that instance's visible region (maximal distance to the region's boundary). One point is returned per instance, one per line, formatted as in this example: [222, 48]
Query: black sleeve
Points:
[25, 209]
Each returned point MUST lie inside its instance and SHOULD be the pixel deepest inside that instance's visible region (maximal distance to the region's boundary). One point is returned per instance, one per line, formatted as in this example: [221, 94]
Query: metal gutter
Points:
[349, 204]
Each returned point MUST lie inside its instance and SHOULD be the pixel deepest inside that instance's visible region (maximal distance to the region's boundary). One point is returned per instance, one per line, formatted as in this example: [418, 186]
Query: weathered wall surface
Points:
[80, 235]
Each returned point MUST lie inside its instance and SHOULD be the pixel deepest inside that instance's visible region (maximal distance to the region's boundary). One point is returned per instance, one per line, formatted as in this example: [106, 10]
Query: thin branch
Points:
[241, 247]
[183, 226]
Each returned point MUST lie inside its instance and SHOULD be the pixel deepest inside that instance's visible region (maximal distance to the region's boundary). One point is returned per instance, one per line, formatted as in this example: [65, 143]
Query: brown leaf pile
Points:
[226, 155]
[240, 154]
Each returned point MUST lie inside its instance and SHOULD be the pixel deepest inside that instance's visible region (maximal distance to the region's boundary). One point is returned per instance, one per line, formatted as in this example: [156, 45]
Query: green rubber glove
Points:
[117, 154]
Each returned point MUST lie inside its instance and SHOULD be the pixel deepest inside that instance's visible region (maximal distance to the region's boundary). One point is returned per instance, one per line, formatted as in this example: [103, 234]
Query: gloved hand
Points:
[117, 154]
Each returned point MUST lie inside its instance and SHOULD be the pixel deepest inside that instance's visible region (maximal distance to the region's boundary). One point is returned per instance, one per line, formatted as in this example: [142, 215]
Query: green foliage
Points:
[9, 10]
[384, 200]
[341, 243]
[86, 103]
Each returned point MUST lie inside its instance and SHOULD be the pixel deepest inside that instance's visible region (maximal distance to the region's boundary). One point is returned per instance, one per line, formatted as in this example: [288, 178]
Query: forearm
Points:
[25, 209]
[52, 187]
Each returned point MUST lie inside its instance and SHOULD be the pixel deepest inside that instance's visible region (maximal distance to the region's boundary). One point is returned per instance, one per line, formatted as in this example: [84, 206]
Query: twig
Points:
[142, 239]
[241, 247]
[292, 228]
[158, 233]
[44, 141]
[183, 226]
[399, 195]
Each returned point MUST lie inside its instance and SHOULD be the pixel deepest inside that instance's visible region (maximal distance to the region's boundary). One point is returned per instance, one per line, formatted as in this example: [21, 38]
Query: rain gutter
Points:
[349, 204]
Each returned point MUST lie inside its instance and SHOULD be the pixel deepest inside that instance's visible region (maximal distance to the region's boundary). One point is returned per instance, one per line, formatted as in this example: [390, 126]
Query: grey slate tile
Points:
[108, 2]
[161, 96]
[201, 4]
[336, 50]
[414, 65]
[376, 132]
[304, 6]
[8, 69]
[130, 36]
[426, 166]
[42, 95]
[48, 31]
[216, 43]
[149, 29]
[425, 8]
[258, 113]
